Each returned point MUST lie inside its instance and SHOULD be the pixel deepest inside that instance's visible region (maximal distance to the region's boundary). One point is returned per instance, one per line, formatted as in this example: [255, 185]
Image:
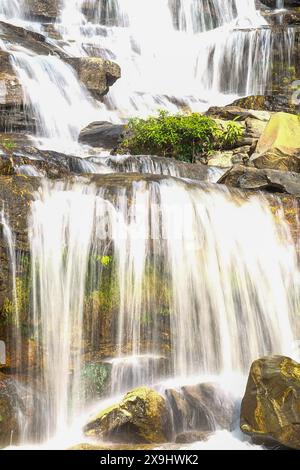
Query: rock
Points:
[203, 407]
[271, 406]
[265, 180]
[12, 116]
[102, 134]
[31, 40]
[279, 146]
[43, 10]
[11, 93]
[277, 102]
[141, 417]
[11, 407]
[287, 3]
[95, 73]
[237, 113]
[192, 436]
[221, 159]
[255, 128]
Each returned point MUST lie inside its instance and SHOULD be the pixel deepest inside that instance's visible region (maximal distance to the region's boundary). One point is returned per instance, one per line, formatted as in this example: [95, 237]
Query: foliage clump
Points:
[7, 144]
[181, 136]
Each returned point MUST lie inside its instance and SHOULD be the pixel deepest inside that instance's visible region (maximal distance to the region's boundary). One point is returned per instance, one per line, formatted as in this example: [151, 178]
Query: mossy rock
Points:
[141, 417]
[270, 409]
[279, 145]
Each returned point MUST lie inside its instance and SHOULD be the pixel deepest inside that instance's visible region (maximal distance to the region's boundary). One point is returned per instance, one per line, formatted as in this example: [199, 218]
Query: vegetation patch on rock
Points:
[181, 136]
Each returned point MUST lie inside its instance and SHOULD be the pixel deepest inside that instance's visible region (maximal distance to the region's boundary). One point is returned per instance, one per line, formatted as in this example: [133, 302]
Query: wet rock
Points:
[271, 406]
[141, 417]
[151, 164]
[277, 102]
[203, 407]
[96, 74]
[11, 93]
[43, 10]
[262, 179]
[102, 134]
[279, 145]
[11, 408]
[31, 40]
[192, 436]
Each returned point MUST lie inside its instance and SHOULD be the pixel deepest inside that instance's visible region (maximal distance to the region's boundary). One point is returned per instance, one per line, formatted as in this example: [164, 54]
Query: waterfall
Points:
[11, 8]
[55, 98]
[212, 52]
[193, 285]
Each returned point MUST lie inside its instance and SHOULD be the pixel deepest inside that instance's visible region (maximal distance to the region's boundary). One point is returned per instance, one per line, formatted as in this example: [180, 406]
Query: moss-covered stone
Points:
[271, 406]
[141, 417]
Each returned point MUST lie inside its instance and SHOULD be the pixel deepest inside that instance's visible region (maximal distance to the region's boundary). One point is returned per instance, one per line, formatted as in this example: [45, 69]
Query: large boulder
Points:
[95, 73]
[141, 417]
[279, 146]
[270, 410]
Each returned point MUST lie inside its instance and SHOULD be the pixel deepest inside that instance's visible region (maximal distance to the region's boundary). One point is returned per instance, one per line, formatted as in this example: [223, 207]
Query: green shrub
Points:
[181, 136]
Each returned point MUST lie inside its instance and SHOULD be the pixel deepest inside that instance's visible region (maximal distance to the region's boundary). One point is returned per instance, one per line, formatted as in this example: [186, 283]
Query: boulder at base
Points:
[279, 146]
[271, 406]
[141, 417]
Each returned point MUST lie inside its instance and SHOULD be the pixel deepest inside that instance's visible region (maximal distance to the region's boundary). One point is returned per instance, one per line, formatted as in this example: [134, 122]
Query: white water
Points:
[199, 53]
[231, 293]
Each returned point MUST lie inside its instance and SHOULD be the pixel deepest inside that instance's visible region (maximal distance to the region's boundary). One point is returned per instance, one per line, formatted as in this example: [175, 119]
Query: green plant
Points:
[181, 136]
[7, 144]
[231, 134]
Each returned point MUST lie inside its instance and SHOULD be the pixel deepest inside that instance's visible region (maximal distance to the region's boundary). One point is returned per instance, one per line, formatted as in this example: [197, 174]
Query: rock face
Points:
[279, 146]
[271, 406]
[96, 74]
[141, 417]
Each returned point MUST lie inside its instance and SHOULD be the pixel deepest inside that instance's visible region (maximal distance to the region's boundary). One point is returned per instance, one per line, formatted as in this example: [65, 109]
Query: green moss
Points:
[96, 379]
[142, 408]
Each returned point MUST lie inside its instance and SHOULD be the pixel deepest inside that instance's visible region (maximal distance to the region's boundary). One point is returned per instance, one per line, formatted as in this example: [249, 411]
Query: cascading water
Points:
[195, 290]
[55, 98]
[212, 52]
[145, 279]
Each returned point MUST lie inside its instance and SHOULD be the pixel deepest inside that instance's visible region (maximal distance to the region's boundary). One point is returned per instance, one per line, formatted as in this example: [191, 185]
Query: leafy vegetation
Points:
[7, 144]
[181, 136]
